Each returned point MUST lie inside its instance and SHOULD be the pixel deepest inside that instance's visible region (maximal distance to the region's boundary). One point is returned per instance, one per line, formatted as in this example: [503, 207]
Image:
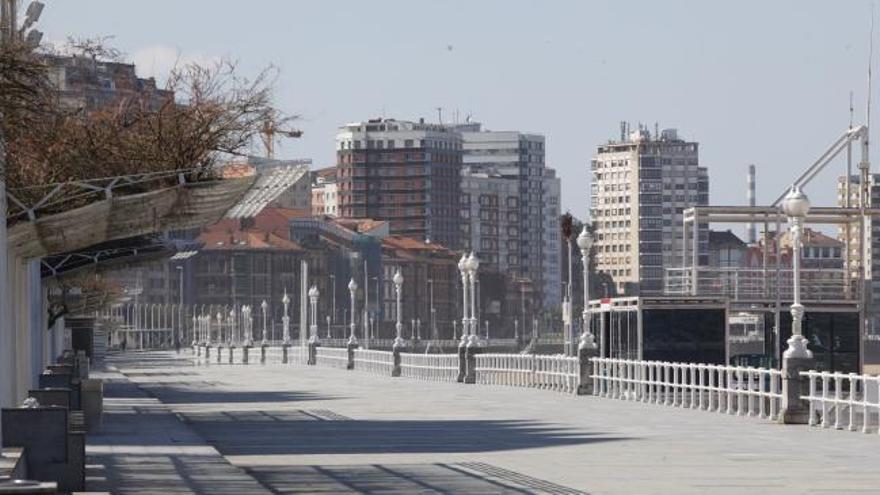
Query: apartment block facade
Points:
[641, 186]
[871, 265]
[406, 173]
[520, 236]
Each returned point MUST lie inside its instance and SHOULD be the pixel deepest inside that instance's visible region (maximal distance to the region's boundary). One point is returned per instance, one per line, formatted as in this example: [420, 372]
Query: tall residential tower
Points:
[641, 186]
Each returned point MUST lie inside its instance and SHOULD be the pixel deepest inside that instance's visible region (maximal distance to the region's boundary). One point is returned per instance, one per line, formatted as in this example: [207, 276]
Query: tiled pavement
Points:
[296, 429]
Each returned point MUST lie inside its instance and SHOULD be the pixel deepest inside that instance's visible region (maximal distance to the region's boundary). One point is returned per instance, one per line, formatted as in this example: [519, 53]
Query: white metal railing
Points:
[551, 372]
[433, 367]
[725, 389]
[332, 357]
[378, 362]
[843, 401]
[757, 283]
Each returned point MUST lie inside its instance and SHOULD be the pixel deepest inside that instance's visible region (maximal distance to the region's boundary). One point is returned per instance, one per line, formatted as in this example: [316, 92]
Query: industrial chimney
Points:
[750, 227]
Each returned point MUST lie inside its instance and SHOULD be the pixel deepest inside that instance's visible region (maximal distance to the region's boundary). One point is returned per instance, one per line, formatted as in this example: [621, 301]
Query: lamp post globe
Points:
[796, 204]
[585, 240]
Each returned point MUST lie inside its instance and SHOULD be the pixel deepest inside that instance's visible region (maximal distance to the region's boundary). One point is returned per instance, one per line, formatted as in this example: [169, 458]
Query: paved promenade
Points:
[172, 427]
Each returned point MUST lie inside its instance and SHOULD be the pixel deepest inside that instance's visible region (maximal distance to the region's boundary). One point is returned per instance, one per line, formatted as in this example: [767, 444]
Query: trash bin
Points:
[92, 401]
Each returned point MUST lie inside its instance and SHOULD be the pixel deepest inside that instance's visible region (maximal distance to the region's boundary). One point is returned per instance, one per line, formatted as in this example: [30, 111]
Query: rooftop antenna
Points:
[440, 115]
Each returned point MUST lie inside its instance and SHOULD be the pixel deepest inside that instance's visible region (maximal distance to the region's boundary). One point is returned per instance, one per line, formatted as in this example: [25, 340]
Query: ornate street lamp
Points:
[219, 328]
[313, 328]
[585, 242]
[285, 320]
[207, 319]
[796, 206]
[233, 338]
[463, 269]
[398, 284]
[197, 334]
[264, 306]
[352, 288]
[473, 266]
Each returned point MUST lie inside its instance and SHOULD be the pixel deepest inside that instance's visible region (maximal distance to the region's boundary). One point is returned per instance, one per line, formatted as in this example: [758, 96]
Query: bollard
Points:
[313, 353]
[351, 347]
[245, 354]
[219, 354]
[263, 353]
[585, 357]
[284, 358]
[207, 353]
[462, 363]
[395, 370]
[231, 350]
[795, 411]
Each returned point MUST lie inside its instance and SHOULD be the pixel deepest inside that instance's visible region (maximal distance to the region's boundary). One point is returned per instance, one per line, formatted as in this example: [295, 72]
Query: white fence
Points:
[559, 373]
[378, 362]
[332, 357]
[725, 389]
[433, 367]
[839, 400]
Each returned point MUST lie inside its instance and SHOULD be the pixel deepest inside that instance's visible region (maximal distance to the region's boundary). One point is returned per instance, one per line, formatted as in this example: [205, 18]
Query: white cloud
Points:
[158, 61]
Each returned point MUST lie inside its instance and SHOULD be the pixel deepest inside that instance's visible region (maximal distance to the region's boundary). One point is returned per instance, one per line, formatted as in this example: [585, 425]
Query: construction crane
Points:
[268, 132]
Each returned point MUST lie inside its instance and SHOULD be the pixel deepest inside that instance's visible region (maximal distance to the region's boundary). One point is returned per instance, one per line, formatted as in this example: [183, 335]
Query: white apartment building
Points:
[640, 187]
[531, 227]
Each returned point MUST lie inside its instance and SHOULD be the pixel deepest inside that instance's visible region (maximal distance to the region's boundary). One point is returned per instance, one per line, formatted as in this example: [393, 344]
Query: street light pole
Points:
[352, 289]
[463, 270]
[796, 205]
[285, 320]
[797, 357]
[333, 306]
[585, 242]
[398, 284]
[313, 327]
[473, 265]
[264, 306]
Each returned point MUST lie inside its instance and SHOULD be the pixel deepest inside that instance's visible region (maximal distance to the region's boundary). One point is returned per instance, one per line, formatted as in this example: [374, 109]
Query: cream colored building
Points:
[640, 187]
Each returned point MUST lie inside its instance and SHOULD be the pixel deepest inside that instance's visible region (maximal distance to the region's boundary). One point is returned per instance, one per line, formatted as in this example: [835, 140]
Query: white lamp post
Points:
[796, 205]
[232, 332]
[285, 320]
[398, 284]
[329, 335]
[473, 265]
[207, 329]
[264, 306]
[313, 328]
[585, 242]
[463, 269]
[352, 289]
[219, 328]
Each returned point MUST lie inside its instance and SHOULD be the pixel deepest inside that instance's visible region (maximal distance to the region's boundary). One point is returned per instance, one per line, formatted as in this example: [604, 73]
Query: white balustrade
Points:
[378, 362]
[843, 401]
[726, 389]
[432, 367]
[332, 357]
[552, 372]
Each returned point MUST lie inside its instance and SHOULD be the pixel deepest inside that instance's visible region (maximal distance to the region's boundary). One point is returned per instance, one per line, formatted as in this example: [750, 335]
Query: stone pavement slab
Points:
[144, 448]
[298, 428]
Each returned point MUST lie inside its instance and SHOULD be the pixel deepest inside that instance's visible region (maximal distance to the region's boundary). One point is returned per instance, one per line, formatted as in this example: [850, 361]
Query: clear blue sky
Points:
[753, 81]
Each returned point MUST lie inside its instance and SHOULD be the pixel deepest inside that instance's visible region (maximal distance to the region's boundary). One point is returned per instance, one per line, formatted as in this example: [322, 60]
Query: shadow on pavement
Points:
[305, 432]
